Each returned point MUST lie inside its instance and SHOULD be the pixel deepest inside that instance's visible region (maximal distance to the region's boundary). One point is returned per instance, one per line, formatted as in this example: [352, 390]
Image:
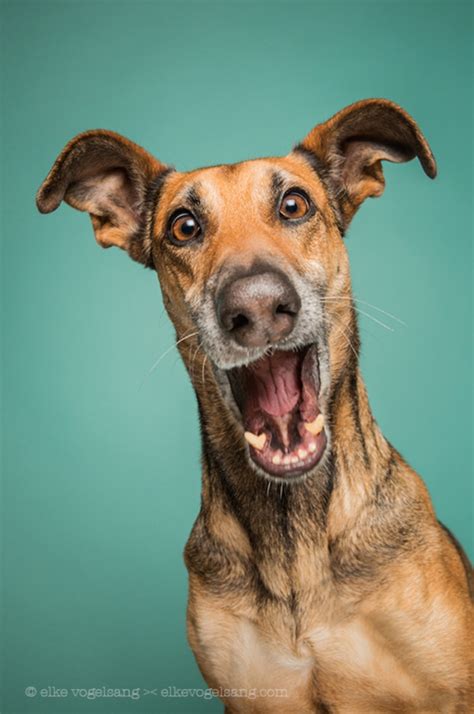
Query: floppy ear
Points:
[111, 178]
[352, 144]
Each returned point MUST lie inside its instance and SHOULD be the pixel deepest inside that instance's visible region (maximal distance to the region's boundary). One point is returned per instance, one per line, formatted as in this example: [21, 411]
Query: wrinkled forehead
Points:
[255, 183]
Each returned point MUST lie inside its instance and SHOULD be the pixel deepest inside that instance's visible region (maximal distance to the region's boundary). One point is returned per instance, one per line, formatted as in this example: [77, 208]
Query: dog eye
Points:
[293, 205]
[184, 228]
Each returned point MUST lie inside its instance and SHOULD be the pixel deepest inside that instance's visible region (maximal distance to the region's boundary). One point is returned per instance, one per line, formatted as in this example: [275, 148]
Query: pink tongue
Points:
[277, 387]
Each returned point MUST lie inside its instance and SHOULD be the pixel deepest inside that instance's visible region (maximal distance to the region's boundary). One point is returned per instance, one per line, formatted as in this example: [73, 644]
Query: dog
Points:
[319, 577]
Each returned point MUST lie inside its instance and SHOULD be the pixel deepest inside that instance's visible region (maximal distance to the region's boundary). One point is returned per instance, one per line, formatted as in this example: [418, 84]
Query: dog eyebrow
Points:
[189, 199]
[192, 197]
[277, 184]
[322, 171]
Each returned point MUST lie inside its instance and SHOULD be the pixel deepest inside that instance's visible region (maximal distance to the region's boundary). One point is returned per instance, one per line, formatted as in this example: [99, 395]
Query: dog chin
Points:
[277, 400]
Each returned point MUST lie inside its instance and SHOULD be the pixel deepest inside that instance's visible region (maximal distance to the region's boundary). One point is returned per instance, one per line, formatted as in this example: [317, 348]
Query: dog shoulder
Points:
[459, 554]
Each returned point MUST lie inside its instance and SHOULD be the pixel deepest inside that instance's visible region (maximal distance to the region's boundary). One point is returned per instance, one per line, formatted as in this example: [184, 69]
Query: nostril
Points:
[239, 321]
[285, 310]
[258, 308]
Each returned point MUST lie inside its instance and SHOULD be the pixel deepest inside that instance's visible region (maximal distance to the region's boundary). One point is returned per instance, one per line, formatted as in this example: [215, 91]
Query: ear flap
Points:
[110, 177]
[353, 143]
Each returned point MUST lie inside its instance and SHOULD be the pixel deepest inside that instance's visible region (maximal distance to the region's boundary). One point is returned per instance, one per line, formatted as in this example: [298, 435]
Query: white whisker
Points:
[162, 356]
[345, 335]
[191, 368]
[379, 322]
[379, 309]
[166, 352]
[369, 304]
[203, 373]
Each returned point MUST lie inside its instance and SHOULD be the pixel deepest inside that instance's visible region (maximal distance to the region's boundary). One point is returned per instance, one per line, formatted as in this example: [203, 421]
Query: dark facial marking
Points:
[276, 188]
[354, 399]
[193, 199]
[177, 264]
[321, 169]
[145, 232]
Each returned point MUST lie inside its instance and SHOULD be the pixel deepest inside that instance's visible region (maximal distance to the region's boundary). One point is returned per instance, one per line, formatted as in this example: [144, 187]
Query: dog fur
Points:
[338, 589]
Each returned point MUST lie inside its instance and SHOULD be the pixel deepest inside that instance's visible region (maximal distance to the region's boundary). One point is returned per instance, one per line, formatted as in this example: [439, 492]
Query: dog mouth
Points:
[277, 396]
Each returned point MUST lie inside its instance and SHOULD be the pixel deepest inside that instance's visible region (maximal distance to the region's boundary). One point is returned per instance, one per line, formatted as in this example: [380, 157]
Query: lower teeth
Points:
[301, 455]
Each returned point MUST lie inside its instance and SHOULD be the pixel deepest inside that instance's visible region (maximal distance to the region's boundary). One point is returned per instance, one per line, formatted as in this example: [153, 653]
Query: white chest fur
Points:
[351, 664]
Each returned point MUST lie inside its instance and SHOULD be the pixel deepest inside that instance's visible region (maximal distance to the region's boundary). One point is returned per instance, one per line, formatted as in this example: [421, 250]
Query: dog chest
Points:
[347, 665]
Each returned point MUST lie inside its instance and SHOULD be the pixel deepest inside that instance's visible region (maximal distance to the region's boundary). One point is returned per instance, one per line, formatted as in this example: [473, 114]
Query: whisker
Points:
[379, 309]
[362, 312]
[345, 335]
[369, 304]
[191, 369]
[166, 352]
[203, 374]
[162, 356]
[379, 322]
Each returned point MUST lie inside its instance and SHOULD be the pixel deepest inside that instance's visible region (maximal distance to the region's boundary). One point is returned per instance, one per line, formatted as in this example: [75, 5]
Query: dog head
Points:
[252, 263]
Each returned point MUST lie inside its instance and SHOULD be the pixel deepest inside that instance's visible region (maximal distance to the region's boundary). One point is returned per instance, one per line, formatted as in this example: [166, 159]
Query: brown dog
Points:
[320, 579]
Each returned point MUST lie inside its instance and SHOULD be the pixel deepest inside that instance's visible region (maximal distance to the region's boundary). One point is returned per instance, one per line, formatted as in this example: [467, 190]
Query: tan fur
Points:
[341, 589]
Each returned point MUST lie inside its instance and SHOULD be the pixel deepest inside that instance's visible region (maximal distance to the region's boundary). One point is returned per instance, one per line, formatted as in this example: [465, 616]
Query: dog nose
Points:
[258, 310]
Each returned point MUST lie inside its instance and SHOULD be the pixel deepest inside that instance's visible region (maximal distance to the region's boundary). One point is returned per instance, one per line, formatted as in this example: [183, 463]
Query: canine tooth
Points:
[312, 446]
[258, 442]
[302, 453]
[315, 427]
[294, 459]
[276, 460]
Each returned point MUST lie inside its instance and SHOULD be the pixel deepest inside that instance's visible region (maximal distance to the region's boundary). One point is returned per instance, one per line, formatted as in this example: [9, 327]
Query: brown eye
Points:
[293, 205]
[185, 227]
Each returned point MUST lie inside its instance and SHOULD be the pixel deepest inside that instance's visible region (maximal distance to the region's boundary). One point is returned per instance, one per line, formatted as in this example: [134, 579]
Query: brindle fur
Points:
[341, 587]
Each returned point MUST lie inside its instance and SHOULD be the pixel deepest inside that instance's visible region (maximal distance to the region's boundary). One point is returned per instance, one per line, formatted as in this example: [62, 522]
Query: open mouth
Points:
[278, 398]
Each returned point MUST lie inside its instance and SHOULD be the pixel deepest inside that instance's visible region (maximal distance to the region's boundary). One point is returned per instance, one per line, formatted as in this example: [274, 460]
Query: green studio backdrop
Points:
[101, 472]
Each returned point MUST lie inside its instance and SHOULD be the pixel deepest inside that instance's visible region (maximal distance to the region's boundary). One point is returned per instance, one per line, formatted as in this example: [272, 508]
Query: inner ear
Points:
[110, 177]
[361, 169]
[352, 145]
[107, 188]
[110, 199]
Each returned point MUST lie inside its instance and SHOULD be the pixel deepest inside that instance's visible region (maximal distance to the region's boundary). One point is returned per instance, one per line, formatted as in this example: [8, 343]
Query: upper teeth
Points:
[258, 442]
[315, 427]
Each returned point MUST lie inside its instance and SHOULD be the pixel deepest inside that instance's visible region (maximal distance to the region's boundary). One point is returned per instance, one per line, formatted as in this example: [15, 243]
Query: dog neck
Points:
[341, 525]
[272, 517]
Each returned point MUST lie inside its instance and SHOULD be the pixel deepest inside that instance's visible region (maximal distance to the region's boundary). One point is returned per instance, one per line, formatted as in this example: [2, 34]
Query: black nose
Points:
[258, 309]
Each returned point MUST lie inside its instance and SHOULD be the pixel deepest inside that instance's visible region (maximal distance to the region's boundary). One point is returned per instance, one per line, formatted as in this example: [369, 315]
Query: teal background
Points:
[101, 459]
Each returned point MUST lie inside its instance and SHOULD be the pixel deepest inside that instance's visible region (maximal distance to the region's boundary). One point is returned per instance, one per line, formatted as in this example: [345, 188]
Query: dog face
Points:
[248, 254]
[251, 262]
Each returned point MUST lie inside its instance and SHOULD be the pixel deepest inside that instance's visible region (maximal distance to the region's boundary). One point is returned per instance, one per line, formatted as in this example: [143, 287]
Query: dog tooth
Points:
[302, 453]
[276, 460]
[258, 442]
[312, 446]
[294, 459]
[315, 427]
